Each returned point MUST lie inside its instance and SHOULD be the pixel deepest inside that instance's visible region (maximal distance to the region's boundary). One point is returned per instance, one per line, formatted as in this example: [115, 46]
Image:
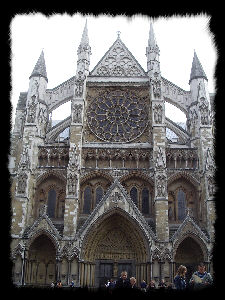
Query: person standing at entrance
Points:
[179, 279]
[123, 281]
[201, 278]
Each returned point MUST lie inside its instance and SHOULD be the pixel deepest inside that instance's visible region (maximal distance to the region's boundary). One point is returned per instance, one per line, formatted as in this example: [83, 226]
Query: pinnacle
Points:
[152, 41]
[40, 68]
[84, 39]
[197, 70]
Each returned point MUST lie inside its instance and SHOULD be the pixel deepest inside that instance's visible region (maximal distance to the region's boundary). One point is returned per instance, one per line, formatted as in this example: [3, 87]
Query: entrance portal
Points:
[116, 244]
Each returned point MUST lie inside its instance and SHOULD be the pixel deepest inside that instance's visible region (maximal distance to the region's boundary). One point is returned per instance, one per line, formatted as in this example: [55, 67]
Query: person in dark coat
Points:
[123, 281]
[179, 279]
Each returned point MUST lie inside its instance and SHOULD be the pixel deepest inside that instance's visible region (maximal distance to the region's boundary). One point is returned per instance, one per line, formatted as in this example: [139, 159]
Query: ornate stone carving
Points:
[118, 62]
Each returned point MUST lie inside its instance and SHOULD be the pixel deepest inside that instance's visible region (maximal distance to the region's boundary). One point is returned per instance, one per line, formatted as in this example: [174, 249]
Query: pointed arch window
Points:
[87, 200]
[51, 203]
[134, 195]
[181, 204]
[145, 201]
[98, 194]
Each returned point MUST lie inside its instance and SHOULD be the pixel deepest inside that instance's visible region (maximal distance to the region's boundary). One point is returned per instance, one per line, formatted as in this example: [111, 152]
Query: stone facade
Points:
[117, 194]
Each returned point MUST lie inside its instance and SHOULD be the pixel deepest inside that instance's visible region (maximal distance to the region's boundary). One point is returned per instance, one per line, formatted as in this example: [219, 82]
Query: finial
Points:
[118, 34]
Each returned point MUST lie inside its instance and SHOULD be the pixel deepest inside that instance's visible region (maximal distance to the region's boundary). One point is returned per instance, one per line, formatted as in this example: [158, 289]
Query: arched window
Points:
[51, 203]
[134, 195]
[145, 201]
[181, 204]
[87, 200]
[98, 194]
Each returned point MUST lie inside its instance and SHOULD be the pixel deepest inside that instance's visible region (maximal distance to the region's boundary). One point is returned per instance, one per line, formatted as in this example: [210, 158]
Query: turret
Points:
[199, 109]
[36, 105]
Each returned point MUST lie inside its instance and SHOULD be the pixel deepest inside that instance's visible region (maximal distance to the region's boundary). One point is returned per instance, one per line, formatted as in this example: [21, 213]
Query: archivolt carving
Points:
[115, 236]
[195, 237]
[49, 173]
[95, 174]
[185, 175]
[49, 234]
[138, 174]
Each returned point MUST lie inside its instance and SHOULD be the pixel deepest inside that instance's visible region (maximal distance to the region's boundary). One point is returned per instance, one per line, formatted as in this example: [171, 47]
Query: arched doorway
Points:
[116, 243]
[189, 254]
[41, 258]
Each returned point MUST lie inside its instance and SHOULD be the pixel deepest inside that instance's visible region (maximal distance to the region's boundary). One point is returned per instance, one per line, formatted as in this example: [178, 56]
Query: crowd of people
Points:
[199, 279]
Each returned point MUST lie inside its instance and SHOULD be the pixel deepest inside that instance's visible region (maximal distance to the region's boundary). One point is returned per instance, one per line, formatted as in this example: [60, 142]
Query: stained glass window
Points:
[98, 194]
[145, 201]
[87, 200]
[51, 203]
[134, 195]
[121, 115]
[181, 203]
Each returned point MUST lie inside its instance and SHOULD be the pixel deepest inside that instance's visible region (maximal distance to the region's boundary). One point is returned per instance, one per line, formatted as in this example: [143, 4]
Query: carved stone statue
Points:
[22, 183]
[77, 113]
[161, 186]
[72, 184]
[158, 114]
[31, 110]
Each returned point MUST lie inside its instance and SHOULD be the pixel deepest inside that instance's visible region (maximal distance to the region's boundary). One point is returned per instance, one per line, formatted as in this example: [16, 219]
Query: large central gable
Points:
[118, 62]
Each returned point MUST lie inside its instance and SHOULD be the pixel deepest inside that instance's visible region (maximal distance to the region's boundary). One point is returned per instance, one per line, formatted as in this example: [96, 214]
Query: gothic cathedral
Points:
[116, 193]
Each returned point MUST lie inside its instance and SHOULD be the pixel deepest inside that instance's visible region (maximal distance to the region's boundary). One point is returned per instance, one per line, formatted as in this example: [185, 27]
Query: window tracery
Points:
[118, 115]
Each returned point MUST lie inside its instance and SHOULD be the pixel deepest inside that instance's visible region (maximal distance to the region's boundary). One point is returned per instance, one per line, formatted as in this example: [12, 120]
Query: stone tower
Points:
[117, 192]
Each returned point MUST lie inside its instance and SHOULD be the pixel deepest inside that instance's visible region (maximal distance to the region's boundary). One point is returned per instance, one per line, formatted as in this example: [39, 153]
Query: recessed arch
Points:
[189, 250]
[41, 260]
[183, 175]
[98, 244]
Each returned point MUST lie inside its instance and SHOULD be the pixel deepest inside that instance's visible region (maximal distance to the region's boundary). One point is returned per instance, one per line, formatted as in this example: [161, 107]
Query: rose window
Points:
[117, 116]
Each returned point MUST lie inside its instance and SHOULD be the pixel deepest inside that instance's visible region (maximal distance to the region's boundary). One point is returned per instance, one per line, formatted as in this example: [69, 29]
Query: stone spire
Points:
[197, 70]
[84, 52]
[40, 68]
[152, 52]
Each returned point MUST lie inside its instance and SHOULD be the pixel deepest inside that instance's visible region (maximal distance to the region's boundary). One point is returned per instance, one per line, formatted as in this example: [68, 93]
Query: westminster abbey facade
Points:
[116, 193]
